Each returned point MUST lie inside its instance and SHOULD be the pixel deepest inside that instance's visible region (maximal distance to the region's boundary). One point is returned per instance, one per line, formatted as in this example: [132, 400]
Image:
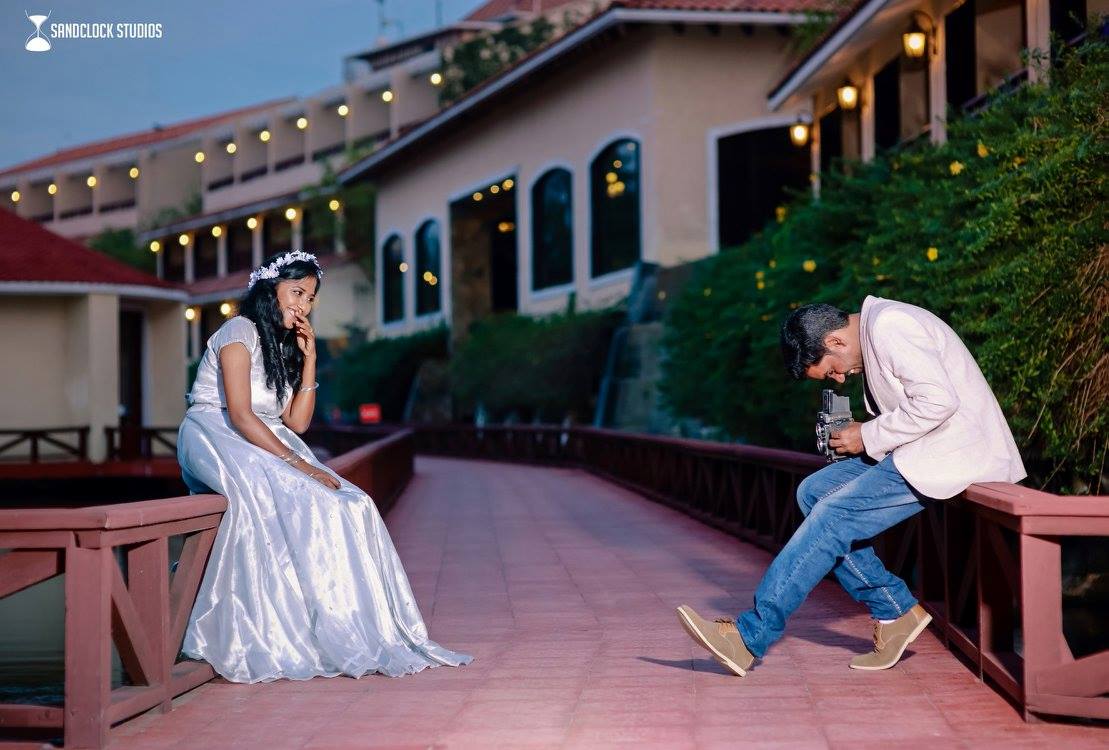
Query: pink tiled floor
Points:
[564, 588]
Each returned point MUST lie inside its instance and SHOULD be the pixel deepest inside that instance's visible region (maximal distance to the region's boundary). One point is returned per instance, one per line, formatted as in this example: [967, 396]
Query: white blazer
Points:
[935, 410]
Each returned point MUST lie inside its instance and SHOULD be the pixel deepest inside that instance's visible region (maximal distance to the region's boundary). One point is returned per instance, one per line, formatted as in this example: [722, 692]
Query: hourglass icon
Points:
[37, 42]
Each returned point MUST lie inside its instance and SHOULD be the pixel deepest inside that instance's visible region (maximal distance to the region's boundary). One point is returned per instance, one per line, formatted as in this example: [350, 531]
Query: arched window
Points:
[552, 230]
[614, 204]
[427, 268]
[392, 287]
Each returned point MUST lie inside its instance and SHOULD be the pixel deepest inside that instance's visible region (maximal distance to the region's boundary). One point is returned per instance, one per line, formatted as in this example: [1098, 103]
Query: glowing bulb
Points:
[134, 172]
[478, 196]
[252, 223]
[494, 189]
[302, 123]
[264, 136]
[155, 246]
[199, 157]
[848, 96]
[217, 231]
[436, 78]
[190, 313]
[231, 147]
[508, 183]
[387, 96]
[15, 196]
[617, 163]
[334, 204]
[225, 309]
[799, 133]
[914, 42]
[403, 268]
[343, 110]
[91, 181]
[427, 276]
[183, 240]
[52, 189]
[290, 213]
[611, 177]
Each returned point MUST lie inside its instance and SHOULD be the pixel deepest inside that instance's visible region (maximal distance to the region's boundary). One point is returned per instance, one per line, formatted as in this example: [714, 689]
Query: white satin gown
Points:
[303, 580]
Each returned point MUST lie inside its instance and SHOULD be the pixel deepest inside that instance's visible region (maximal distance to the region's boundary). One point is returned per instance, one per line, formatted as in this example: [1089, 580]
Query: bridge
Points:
[556, 557]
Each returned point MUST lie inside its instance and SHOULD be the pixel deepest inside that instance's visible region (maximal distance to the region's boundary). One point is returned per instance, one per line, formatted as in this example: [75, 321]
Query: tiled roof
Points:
[731, 6]
[29, 252]
[495, 9]
[134, 140]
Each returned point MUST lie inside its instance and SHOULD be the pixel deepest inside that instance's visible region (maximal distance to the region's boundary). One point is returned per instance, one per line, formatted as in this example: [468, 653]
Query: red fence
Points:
[986, 564]
[75, 448]
[141, 606]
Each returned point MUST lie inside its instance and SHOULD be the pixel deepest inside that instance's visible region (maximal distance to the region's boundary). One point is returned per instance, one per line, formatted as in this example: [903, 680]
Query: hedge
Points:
[1001, 231]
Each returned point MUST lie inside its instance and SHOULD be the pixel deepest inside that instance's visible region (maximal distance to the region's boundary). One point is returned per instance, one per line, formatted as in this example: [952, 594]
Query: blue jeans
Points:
[846, 502]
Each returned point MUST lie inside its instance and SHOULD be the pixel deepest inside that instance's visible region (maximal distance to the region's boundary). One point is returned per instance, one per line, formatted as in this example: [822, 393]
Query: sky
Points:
[212, 56]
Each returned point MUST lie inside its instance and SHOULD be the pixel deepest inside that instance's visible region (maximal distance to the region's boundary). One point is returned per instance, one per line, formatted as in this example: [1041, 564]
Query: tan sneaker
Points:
[720, 637]
[891, 640]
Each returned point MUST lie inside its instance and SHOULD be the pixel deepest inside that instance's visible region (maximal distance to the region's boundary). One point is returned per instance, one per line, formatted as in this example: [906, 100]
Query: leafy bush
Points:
[539, 368]
[121, 245]
[1001, 231]
[381, 371]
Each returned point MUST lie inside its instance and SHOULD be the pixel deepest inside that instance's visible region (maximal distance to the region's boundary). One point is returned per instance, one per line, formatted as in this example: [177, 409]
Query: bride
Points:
[303, 579]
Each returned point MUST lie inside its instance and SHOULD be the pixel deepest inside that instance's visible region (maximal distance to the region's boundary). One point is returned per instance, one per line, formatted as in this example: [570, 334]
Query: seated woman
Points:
[303, 580]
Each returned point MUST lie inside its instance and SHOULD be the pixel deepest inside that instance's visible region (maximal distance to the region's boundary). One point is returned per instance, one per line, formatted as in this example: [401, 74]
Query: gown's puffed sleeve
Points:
[237, 329]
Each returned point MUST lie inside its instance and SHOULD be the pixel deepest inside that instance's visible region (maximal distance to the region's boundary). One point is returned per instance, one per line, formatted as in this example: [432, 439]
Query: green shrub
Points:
[121, 245]
[539, 368]
[381, 371]
[1001, 231]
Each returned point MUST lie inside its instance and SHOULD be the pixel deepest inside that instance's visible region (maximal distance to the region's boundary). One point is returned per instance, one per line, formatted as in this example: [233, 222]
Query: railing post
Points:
[34, 446]
[88, 646]
[1041, 609]
[148, 583]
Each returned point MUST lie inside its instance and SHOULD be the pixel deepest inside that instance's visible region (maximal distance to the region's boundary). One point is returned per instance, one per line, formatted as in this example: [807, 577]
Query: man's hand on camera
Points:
[849, 440]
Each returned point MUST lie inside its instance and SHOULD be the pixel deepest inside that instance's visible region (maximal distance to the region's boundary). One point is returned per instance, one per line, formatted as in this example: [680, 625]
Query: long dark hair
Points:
[281, 356]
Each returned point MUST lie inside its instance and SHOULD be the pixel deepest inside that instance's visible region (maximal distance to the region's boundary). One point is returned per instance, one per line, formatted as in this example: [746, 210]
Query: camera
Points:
[834, 415]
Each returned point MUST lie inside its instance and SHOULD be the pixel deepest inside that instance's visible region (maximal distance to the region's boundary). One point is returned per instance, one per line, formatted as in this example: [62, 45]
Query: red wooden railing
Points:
[986, 564]
[142, 606]
[143, 610]
[128, 442]
[75, 448]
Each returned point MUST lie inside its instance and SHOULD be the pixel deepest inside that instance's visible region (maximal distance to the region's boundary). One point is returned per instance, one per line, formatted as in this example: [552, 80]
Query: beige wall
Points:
[67, 373]
[346, 297]
[668, 91]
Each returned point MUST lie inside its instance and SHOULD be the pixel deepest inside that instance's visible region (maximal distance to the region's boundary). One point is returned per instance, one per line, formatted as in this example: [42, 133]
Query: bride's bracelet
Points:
[291, 457]
[310, 387]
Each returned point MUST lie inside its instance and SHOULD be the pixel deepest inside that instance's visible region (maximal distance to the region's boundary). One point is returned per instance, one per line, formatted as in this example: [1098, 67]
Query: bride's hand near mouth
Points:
[306, 335]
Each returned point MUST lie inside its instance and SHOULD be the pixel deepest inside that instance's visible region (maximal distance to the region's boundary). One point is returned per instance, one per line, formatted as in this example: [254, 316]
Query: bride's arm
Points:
[235, 365]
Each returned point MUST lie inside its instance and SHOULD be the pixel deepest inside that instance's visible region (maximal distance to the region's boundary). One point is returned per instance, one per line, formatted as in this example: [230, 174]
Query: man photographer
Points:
[938, 430]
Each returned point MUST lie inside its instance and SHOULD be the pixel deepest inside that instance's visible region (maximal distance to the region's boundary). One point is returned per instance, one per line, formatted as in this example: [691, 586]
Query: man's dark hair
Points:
[803, 335]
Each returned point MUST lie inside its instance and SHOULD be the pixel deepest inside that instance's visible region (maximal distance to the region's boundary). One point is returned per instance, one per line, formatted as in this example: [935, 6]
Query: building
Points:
[892, 71]
[90, 341]
[643, 134]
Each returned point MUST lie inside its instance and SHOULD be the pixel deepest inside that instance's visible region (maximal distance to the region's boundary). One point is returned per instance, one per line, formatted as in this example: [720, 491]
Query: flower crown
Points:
[270, 271]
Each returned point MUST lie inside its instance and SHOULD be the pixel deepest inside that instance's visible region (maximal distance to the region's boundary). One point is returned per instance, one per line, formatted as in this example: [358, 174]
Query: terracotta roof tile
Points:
[134, 140]
[29, 252]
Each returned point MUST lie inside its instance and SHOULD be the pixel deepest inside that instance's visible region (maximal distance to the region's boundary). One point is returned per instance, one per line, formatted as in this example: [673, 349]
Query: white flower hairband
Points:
[270, 271]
